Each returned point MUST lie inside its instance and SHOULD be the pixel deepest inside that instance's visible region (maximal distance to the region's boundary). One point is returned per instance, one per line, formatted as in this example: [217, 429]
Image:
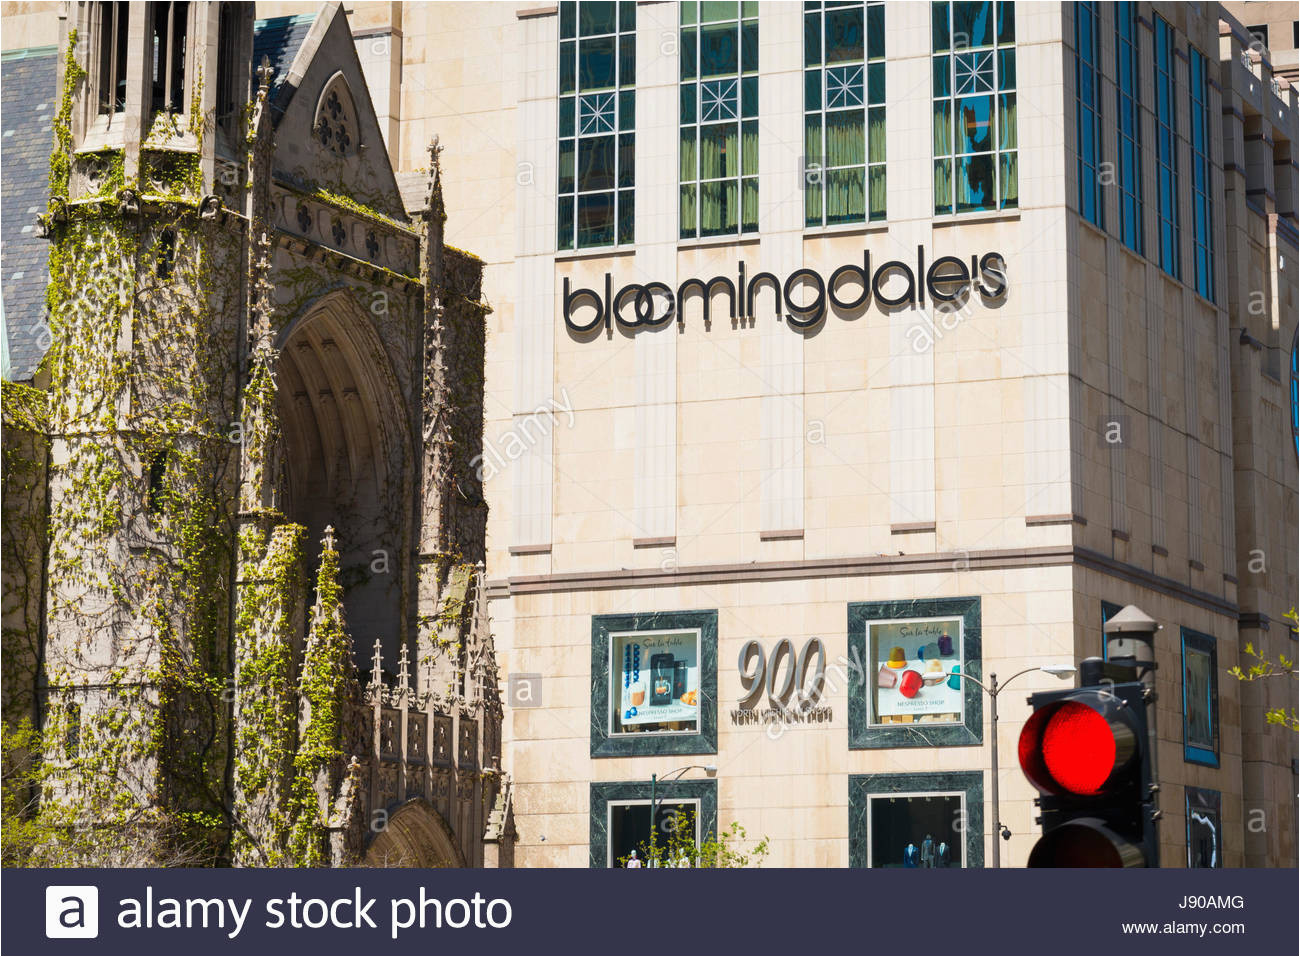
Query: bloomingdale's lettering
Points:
[947, 280]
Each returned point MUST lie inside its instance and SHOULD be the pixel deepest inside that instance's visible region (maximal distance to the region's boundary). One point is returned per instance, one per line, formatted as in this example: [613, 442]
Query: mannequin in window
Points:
[943, 855]
[911, 856]
[927, 852]
[633, 860]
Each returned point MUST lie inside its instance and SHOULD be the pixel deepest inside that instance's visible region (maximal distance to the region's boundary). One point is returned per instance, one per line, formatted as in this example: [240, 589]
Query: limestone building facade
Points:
[1116, 427]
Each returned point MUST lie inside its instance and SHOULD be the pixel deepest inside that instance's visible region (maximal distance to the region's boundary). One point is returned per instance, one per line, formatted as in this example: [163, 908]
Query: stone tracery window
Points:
[335, 127]
[597, 120]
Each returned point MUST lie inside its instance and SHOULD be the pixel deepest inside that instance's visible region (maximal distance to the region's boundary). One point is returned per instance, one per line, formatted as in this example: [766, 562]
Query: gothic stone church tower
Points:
[261, 638]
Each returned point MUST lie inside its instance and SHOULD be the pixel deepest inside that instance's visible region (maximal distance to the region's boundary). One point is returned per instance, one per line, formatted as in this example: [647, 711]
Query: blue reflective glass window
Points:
[1203, 213]
[844, 34]
[972, 24]
[1167, 150]
[1087, 72]
[597, 123]
[1128, 125]
[974, 107]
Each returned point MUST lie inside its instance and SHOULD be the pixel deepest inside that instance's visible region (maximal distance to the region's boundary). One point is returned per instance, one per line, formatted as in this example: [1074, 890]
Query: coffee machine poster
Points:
[658, 677]
[915, 669]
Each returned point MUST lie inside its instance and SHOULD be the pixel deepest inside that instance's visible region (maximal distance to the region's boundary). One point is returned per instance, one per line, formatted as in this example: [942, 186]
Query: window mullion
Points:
[112, 69]
[171, 35]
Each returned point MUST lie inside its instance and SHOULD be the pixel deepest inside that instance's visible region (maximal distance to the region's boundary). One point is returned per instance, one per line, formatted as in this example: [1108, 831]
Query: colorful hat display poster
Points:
[914, 662]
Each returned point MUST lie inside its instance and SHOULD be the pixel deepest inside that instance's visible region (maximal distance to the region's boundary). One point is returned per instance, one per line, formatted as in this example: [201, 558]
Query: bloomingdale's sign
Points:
[805, 294]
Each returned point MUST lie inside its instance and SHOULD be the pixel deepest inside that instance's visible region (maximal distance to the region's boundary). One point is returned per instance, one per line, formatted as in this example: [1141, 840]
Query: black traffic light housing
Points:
[1087, 752]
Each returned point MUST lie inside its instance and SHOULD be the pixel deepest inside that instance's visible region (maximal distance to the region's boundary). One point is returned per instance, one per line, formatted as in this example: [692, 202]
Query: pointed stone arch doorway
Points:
[415, 836]
[345, 460]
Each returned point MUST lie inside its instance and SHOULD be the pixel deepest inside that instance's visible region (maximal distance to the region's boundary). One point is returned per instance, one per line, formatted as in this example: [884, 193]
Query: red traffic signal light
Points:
[1085, 750]
[1085, 842]
[1077, 745]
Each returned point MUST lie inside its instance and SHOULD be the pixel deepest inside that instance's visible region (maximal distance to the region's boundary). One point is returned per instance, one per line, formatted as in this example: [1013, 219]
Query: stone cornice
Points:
[676, 576]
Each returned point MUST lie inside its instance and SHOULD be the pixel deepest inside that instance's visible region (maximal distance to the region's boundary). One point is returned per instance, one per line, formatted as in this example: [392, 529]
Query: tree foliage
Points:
[1263, 667]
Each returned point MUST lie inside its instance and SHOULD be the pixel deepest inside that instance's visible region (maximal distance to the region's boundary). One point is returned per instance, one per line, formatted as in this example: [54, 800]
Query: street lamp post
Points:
[992, 689]
[709, 769]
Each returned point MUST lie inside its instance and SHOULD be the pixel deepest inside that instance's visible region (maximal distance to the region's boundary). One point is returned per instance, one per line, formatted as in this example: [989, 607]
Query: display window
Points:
[652, 823]
[916, 830]
[1203, 833]
[915, 666]
[911, 659]
[654, 682]
[671, 842]
[1200, 699]
[925, 819]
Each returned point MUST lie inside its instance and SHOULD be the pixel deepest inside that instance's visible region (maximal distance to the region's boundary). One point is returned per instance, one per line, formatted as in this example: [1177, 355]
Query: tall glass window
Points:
[113, 25]
[1087, 78]
[1167, 149]
[169, 44]
[844, 112]
[1202, 211]
[974, 118]
[719, 118]
[1128, 120]
[597, 111]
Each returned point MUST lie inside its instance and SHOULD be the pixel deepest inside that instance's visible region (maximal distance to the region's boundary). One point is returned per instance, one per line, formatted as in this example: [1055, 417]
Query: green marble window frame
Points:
[703, 741]
[862, 734]
[605, 792]
[862, 787]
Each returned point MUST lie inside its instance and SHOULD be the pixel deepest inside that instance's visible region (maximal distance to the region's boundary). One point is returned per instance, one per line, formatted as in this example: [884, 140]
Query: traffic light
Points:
[1086, 751]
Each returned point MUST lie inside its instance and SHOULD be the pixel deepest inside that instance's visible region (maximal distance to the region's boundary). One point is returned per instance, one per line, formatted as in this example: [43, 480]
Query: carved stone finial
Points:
[403, 671]
[328, 540]
[377, 665]
[433, 200]
[264, 72]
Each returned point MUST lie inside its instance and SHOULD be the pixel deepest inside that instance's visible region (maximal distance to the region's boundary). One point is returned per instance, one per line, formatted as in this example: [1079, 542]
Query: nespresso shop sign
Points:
[803, 298]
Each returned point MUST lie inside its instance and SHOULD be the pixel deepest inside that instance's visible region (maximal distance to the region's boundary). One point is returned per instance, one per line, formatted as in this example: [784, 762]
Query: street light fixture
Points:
[1058, 671]
[992, 689]
[709, 769]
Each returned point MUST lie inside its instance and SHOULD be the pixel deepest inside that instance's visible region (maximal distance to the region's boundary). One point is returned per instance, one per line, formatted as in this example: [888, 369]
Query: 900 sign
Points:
[783, 675]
